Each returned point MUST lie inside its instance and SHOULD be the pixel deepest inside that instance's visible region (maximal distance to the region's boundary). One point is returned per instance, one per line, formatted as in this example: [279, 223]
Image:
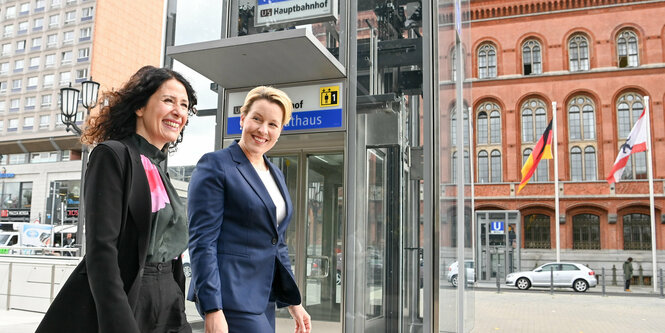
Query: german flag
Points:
[542, 150]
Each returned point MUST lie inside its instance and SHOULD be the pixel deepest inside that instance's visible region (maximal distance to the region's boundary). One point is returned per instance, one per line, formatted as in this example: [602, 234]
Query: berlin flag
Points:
[636, 142]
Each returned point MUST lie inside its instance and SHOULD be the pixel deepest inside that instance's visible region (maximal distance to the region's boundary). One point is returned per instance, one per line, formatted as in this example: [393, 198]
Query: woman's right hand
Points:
[215, 322]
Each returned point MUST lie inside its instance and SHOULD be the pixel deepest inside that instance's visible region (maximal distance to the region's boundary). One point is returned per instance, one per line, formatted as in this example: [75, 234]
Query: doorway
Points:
[500, 243]
[315, 235]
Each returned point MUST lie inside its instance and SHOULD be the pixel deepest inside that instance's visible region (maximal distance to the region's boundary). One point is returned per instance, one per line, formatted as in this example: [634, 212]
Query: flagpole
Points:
[652, 212]
[556, 182]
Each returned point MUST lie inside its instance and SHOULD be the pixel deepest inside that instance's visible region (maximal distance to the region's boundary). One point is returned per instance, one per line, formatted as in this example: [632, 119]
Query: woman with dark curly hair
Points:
[131, 278]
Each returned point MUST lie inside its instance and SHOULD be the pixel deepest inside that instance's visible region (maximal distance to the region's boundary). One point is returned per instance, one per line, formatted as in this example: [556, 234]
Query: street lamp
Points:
[69, 99]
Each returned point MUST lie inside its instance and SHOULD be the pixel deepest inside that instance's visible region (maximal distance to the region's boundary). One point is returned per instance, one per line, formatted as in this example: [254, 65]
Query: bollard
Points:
[9, 284]
[641, 276]
[498, 283]
[551, 280]
[614, 275]
[603, 282]
[661, 284]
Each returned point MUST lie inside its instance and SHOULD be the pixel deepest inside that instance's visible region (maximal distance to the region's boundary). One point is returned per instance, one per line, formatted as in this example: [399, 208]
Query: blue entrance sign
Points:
[497, 227]
[303, 120]
[316, 107]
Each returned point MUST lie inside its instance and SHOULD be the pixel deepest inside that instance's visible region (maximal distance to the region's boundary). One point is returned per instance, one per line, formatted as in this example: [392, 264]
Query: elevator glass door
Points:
[314, 237]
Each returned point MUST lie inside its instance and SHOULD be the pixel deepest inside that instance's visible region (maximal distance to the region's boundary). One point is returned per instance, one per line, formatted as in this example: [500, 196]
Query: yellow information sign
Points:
[329, 96]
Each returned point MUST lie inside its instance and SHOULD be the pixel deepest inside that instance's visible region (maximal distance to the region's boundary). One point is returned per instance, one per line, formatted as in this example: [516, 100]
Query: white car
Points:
[565, 274]
[453, 270]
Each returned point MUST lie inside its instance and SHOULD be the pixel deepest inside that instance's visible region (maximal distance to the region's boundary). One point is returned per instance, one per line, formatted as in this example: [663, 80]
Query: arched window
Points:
[487, 61]
[586, 232]
[581, 119]
[491, 130]
[482, 128]
[627, 53]
[532, 62]
[636, 232]
[495, 126]
[578, 53]
[495, 166]
[453, 64]
[467, 168]
[537, 231]
[533, 127]
[629, 108]
[542, 172]
[590, 163]
[576, 164]
[483, 167]
[453, 128]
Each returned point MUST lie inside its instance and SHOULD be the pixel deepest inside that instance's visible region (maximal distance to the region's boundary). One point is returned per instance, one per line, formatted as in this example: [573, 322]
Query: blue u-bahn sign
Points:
[497, 227]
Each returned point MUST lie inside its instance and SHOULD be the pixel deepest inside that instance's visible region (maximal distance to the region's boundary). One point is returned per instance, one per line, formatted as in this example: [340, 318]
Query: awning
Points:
[271, 58]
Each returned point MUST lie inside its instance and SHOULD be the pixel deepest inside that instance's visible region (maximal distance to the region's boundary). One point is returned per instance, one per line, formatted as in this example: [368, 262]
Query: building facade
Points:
[598, 60]
[48, 45]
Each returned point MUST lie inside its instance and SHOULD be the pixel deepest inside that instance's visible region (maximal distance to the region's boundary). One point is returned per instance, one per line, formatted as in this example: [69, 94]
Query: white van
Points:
[8, 238]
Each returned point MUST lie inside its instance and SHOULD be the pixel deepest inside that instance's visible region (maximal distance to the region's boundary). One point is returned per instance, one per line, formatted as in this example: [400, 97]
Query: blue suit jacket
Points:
[238, 255]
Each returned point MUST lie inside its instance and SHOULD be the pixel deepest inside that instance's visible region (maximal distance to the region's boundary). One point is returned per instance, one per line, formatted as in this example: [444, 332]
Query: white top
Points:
[275, 194]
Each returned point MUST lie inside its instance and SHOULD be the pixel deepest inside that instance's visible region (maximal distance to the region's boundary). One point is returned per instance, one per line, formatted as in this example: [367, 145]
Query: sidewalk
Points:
[18, 321]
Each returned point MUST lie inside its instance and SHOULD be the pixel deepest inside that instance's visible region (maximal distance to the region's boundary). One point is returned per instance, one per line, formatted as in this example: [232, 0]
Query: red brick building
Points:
[597, 60]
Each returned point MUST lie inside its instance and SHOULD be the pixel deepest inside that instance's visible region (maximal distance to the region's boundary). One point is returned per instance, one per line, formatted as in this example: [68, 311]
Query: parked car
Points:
[8, 239]
[186, 266]
[565, 274]
[453, 271]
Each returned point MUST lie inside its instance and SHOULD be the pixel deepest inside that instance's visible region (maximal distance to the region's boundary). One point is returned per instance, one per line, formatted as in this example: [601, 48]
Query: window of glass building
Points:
[532, 62]
[8, 30]
[44, 157]
[28, 123]
[627, 51]
[87, 12]
[38, 23]
[63, 201]
[34, 63]
[65, 78]
[16, 195]
[44, 121]
[20, 46]
[48, 80]
[10, 12]
[18, 158]
[46, 100]
[54, 20]
[85, 33]
[36, 43]
[586, 232]
[68, 36]
[30, 102]
[537, 231]
[22, 27]
[18, 65]
[66, 57]
[25, 8]
[70, 16]
[84, 53]
[49, 60]
[52, 40]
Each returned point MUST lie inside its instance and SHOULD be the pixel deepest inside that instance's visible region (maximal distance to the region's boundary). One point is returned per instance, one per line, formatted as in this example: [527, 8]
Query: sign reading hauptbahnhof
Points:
[271, 12]
[316, 107]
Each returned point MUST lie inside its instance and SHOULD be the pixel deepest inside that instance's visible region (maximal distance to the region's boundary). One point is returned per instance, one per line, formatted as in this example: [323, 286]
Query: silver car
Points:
[564, 274]
[453, 270]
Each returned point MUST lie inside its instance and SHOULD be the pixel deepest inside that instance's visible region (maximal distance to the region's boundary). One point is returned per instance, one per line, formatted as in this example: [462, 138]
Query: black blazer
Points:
[102, 292]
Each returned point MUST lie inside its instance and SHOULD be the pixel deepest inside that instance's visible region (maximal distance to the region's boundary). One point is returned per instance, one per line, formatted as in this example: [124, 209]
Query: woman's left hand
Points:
[302, 318]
